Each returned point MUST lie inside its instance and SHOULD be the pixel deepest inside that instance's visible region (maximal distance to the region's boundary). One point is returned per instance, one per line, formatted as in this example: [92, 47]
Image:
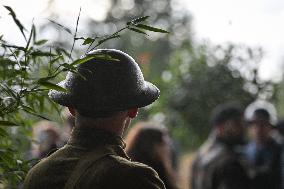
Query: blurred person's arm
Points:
[231, 175]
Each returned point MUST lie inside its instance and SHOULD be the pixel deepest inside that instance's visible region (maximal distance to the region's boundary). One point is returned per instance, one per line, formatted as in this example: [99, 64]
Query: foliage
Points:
[193, 78]
[203, 78]
[27, 73]
[278, 99]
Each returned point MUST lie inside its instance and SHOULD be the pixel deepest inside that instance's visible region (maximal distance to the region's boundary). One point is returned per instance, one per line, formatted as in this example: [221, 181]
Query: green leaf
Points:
[41, 53]
[150, 28]
[88, 41]
[137, 20]
[26, 108]
[30, 37]
[93, 56]
[106, 39]
[15, 47]
[17, 22]
[41, 42]
[31, 111]
[61, 26]
[7, 158]
[138, 31]
[82, 60]
[44, 79]
[3, 133]
[56, 59]
[68, 66]
[52, 86]
[7, 123]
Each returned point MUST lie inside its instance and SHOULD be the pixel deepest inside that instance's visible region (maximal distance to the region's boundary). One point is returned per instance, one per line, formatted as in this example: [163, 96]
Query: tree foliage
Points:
[27, 72]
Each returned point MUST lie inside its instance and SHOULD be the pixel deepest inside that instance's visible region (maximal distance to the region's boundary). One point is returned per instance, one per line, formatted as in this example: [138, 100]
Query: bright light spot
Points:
[159, 117]
[36, 11]
[167, 76]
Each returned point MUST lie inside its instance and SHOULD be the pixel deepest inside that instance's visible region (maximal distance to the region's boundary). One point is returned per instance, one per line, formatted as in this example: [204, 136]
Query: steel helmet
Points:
[106, 85]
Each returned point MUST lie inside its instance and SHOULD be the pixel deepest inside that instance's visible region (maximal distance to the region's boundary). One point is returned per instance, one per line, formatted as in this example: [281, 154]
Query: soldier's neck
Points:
[115, 126]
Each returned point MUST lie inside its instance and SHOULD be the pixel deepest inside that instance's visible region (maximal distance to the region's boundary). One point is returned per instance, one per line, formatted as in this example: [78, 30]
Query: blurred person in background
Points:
[218, 163]
[280, 128]
[263, 152]
[68, 125]
[46, 137]
[151, 144]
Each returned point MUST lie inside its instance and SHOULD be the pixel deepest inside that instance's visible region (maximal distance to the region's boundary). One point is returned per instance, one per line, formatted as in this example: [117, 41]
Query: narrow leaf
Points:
[150, 28]
[44, 79]
[14, 46]
[31, 111]
[106, 39]
[3, 133]
[88, 41]
[30, 37]
[17, 22]
[68, 66]
[61, 26]
[138, 31]
[82, 60]
[7, 123]
[94, 56]
[55, 59]
[52, 86]
[41, 42]
[26, 108]
[104, 57]
[41, 53]
[137, 20]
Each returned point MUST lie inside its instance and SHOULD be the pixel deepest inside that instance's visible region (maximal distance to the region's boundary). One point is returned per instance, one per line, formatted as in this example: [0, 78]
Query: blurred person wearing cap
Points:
[218, 163]
[103, 98]
[263, 151]
[280, 129]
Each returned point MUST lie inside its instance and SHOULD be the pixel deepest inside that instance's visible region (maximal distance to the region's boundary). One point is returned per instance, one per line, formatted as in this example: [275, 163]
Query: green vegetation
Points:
[193, 77]
[27, 73]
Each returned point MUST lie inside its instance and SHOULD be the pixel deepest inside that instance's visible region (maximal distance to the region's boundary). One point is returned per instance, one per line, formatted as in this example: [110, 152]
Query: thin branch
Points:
[77, 23]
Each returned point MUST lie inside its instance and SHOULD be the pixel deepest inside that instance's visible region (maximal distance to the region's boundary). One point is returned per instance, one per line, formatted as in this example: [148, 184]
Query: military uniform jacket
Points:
[92, 159]
[217, 166]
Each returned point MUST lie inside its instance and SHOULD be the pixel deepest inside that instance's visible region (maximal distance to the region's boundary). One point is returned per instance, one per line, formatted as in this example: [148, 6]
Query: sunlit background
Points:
[257, 23]
[217, 51]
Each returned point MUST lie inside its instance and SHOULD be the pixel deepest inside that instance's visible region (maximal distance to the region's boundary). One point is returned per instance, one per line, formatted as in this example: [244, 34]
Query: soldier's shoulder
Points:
[124, 165]
[123, 173]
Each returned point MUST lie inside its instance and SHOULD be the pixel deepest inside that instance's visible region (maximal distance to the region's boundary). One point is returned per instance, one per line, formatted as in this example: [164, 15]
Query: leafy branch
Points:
[27, 56]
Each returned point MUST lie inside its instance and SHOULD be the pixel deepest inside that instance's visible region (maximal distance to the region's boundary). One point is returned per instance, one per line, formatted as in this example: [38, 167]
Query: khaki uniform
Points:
[217, 166]
[92, 159]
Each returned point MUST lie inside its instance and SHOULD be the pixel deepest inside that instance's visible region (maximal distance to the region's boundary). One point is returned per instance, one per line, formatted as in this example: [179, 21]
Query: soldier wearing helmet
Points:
[263, 152]
[103, 97]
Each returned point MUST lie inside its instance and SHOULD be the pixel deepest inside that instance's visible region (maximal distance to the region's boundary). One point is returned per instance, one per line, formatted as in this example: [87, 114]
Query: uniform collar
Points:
[86, 137]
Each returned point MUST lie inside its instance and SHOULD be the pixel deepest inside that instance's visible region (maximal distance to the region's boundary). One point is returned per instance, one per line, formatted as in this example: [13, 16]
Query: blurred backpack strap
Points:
[84, 163]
